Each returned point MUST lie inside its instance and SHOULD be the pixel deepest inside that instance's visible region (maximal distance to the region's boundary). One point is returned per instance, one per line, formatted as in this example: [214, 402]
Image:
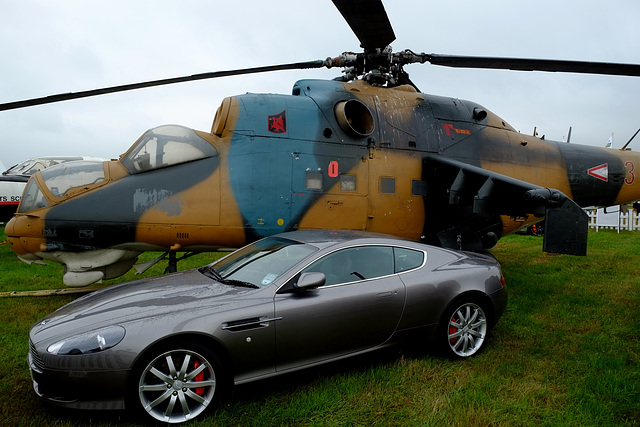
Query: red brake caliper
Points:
[199, 377]
[453, 330]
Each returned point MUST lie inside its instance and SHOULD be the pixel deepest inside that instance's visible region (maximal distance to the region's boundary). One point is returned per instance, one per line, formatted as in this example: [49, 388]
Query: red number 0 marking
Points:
[630, 175]
[333, 169]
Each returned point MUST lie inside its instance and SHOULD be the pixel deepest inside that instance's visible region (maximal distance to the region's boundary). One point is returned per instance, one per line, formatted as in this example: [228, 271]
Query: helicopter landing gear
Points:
[173, 263]
[173, 260]
[172, 267]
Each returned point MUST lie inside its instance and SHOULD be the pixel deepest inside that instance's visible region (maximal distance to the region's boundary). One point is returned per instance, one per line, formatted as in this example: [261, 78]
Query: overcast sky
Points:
[49, 47]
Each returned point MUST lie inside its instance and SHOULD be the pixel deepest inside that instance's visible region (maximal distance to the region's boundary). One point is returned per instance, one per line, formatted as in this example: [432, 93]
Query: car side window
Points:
[354, 264]
[407, 259]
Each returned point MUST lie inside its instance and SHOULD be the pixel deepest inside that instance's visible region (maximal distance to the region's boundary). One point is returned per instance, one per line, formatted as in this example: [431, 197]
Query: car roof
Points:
[329, 237]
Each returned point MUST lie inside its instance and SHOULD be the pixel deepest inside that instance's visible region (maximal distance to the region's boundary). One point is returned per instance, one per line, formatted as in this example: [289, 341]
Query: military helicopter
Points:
[365, 151]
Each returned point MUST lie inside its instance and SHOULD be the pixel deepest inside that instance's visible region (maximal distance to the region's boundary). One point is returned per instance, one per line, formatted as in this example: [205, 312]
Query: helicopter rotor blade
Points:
[522, 64]
[369, 22]
[122, 88]
[624, 147]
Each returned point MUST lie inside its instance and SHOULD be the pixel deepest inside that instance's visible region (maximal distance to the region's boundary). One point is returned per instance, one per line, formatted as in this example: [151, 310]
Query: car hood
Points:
[176, 293]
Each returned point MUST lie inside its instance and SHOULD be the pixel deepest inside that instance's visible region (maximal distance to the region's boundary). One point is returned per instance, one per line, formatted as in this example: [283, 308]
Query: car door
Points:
[358, 308]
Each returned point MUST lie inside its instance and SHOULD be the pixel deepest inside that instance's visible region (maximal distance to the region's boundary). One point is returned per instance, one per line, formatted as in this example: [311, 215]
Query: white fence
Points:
[613, 217]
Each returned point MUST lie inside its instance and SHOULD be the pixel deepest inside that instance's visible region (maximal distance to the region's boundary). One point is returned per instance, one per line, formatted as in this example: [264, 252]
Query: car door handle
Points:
[385, 294]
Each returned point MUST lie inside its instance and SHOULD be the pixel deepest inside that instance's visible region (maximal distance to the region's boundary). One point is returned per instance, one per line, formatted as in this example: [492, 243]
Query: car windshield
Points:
[166, 146]
[262, 262]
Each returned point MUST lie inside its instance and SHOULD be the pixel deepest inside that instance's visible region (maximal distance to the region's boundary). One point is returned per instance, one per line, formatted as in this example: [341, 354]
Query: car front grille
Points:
[35, 356]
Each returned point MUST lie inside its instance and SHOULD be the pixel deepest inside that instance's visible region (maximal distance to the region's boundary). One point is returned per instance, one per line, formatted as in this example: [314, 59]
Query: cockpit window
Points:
[166, 146]
[28, 167]
[31, 166]
[32, 198]
[61, 178]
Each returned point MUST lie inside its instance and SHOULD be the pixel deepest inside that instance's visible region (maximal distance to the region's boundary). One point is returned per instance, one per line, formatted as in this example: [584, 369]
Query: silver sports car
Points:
[171, 345]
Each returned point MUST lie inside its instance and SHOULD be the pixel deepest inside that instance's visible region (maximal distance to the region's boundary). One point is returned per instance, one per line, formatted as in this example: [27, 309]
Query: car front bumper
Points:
[99, 390]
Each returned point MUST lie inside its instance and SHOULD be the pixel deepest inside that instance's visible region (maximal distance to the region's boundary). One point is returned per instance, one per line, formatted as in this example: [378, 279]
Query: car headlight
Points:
[90, 342]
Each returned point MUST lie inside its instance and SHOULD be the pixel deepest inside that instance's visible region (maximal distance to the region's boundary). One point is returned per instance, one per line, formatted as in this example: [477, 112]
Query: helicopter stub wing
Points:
[472, 191]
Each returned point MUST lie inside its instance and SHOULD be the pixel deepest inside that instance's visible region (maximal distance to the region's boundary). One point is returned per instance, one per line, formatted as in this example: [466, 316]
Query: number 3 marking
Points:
[630, 175]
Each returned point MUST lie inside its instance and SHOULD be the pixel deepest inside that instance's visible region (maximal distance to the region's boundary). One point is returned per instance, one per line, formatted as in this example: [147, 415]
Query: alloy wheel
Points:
[467, 330]
[177, 386]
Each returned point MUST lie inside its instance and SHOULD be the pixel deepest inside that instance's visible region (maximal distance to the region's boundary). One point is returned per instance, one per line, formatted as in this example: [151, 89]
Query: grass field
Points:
[566, 352]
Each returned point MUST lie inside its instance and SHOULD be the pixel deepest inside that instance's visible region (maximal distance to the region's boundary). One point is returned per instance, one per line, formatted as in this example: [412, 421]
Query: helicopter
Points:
[366, 151]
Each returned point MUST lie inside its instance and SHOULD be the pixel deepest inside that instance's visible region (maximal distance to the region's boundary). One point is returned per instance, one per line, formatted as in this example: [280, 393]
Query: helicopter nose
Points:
[24, 234]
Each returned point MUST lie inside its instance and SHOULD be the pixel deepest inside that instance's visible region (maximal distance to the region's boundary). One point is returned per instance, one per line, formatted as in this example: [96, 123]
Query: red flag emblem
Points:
[278, 122]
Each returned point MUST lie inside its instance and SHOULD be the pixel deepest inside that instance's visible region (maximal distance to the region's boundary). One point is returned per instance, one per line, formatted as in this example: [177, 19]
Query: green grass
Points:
[566, 352]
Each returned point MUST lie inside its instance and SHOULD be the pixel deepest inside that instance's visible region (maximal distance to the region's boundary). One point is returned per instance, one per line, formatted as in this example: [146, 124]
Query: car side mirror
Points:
[310, 280]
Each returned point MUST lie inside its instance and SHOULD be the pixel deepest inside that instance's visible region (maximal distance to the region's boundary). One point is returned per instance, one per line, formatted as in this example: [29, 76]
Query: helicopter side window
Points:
[313, 181]
[418, 187]
[166, 146]
[387, 185]
[348, 182]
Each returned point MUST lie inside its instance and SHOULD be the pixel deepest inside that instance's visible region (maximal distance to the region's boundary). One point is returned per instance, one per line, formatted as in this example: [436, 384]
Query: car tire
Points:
[176, 382]
[464, 328]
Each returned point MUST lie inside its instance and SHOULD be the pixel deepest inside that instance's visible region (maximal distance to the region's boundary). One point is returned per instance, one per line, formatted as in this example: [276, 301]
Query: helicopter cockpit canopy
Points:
[59, 179]
[166, 146]
[31, 166]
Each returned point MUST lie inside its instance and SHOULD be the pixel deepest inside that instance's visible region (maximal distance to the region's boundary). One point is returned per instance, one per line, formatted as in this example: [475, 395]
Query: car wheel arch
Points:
[189, 337]
[479, 297]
